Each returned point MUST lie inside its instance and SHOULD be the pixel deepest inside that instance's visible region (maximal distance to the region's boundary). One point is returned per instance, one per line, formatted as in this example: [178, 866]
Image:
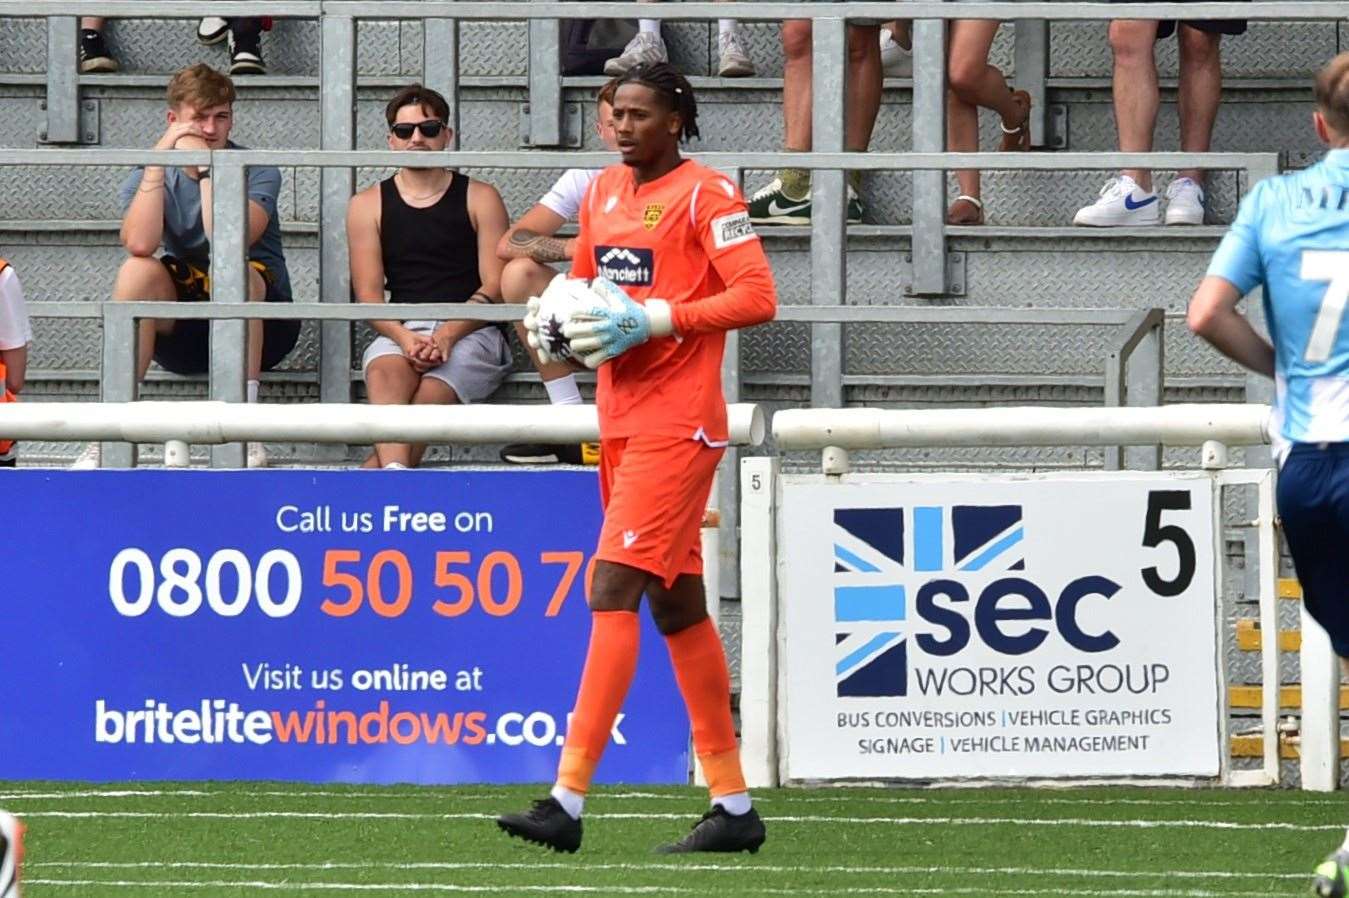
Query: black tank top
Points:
[431, 254]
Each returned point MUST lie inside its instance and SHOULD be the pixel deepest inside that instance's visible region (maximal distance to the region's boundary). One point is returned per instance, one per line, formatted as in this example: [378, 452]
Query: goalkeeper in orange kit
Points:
[675, 236]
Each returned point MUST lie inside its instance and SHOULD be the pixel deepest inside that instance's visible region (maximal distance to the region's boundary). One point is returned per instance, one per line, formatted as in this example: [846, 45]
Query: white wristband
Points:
[660, 317]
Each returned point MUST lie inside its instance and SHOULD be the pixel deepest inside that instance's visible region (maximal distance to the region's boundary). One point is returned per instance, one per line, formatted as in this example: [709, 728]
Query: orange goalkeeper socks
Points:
[610, 664]
[705, 682]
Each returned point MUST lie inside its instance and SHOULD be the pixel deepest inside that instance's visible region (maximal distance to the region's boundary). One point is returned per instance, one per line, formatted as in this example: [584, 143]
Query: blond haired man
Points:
[169, 207]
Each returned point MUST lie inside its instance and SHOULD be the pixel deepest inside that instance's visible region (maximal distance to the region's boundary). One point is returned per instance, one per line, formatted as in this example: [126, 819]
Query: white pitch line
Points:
[680, 868]
[892, 821]
[628, 890]
[442, 793]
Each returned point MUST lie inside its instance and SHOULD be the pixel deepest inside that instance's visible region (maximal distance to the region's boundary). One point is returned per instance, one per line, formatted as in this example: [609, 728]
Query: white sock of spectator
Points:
[649, 26]
[563, 390]
[252, 391]
[725, 26]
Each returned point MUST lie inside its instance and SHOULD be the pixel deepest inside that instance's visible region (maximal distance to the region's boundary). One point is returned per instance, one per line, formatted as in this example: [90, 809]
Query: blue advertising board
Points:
[345, 626]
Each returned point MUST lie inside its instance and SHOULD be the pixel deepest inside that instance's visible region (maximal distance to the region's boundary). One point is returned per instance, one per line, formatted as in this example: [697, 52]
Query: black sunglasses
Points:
[429, 128]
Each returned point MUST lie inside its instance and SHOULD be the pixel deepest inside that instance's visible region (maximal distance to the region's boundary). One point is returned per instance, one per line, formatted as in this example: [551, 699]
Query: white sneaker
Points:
[1184, 202]
[212, 29]
[257, 455]
[90, 459]
[11, 854]
[395, 466]
[895, 60]
[1122, 203]
[735, 62]
[644, 48]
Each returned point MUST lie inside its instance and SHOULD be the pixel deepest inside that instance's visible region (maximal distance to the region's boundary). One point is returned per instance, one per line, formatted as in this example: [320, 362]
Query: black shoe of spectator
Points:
[546, 824]
[10, 459]
[721, 831]
[94, 55]
[551, 454]
[245, 43]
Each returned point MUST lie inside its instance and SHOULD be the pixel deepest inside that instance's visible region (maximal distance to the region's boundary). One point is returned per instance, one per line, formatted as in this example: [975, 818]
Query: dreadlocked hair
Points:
[667, 81]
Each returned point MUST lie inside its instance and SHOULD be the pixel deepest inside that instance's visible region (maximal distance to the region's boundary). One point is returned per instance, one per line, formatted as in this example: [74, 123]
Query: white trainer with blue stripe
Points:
[1122, 204]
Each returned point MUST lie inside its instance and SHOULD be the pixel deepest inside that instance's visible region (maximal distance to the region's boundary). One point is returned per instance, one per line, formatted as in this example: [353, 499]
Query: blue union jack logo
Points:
[879, 553]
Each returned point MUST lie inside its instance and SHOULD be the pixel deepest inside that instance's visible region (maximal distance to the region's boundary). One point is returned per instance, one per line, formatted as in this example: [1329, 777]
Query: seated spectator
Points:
[974, 83]
[786, 199]
[648, 47]
[171, 207]
[94, 53]
[15, 335]
[427, 235]
[1129, 199]
[244, 36]
[530, 250]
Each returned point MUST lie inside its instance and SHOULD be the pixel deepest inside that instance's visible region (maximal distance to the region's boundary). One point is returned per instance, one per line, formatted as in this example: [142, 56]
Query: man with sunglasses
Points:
[427, 235]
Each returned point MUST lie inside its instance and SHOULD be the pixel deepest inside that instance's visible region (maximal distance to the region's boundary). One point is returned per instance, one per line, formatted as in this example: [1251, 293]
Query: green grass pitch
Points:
[236, 839]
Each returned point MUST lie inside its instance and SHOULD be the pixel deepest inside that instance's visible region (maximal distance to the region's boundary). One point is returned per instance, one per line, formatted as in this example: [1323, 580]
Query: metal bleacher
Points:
[898, 311]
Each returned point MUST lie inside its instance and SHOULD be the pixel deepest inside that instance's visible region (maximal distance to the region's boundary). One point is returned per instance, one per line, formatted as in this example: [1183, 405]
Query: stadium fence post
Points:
[759, 722]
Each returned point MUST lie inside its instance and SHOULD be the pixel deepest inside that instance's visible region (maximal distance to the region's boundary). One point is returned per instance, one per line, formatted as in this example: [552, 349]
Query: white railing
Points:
[214, 422]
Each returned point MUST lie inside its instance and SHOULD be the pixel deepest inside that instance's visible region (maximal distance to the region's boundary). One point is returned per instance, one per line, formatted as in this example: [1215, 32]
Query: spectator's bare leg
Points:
[521, 279]
[431, 391]
[901, 32]
[145, 278]
[94, 23]
[796, 93]
[1135, 88]
[1201, 88]
[974, 83]
[391, 380]
[257, 292]
[863, 99]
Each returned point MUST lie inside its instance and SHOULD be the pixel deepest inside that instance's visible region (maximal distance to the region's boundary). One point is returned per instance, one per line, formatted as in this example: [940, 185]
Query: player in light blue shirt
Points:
[1291, 237]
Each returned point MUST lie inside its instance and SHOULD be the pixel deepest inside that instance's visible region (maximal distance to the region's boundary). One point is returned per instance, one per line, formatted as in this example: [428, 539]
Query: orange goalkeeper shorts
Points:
[654, 491]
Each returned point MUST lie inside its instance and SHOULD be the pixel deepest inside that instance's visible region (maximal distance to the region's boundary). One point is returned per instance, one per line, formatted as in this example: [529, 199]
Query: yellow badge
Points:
[651, 215]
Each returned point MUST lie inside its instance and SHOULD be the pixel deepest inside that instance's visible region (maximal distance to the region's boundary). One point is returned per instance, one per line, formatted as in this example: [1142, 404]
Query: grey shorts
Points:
[477, 365]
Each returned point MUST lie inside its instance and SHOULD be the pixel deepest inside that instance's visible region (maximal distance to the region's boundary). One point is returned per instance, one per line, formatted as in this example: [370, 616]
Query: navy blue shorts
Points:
[1313, 503]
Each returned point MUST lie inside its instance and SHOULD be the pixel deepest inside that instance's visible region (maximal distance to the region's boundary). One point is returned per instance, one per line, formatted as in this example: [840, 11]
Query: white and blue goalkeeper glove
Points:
[614, 323]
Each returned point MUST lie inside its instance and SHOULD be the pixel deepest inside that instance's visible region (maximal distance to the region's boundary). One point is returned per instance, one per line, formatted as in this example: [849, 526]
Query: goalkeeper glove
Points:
[614, 323]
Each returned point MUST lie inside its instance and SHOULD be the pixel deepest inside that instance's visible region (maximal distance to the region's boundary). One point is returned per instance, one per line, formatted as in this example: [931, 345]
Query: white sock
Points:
[252, 391]
[649, 26]
[725, 26]
[736, 803]
[572, 802]
[1345, 846]
[563, 390]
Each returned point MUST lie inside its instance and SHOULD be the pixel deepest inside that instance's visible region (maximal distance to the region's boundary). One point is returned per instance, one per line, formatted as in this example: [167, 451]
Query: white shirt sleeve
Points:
[566, 195]
[15, 330]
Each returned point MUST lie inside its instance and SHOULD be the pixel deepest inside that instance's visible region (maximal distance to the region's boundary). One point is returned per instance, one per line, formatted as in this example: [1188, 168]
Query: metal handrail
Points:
[746, 11]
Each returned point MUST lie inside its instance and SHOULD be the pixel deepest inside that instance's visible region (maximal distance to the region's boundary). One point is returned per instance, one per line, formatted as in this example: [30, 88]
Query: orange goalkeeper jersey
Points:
[684, 238]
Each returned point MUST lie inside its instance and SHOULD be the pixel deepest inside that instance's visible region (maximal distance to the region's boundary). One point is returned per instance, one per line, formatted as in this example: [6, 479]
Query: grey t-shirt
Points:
[184, 236]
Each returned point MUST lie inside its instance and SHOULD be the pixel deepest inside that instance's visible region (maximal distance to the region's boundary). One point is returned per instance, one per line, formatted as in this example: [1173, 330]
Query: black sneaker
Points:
[11, 854]
[10, 459]
[769, 205]
[94, 55]
[245, 44]
[719, 830]
[545, 824]
[1330, 879]
[551, 454]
